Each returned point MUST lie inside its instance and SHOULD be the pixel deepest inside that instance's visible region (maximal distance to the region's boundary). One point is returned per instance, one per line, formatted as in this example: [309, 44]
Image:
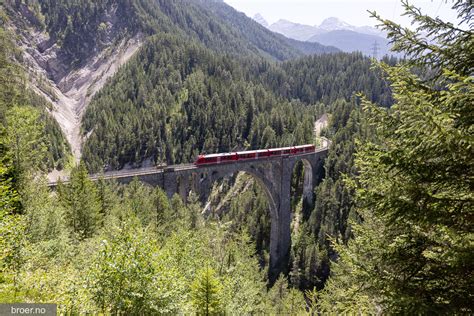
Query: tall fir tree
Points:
[206, 293]
[81, 203]
[413, 252]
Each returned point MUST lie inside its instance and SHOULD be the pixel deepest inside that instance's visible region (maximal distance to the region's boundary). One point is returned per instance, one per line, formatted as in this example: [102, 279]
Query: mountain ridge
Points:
[71, 59]
[337, 33]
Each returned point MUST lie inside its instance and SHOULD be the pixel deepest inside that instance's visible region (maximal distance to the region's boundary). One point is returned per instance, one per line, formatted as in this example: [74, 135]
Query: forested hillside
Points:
[81, 28]
[174, 101]
[391, 227]
[71, 48]
[20, 108]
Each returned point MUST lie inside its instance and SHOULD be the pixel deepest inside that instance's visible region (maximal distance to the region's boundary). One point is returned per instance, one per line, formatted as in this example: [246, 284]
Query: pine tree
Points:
[81, 203]
[206, 293]
[413, 253]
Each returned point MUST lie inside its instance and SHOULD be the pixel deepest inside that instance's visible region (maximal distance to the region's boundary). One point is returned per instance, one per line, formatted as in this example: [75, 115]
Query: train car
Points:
[207, 159]
[309, 148]
[216, 158]
[303, 149]
[286, 151]
[253, 154]
[228, 157]
[275, 152]
[263, 153]
[244, 155]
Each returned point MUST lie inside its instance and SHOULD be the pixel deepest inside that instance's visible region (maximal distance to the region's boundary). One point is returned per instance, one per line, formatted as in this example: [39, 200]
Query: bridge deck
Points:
[174, 168]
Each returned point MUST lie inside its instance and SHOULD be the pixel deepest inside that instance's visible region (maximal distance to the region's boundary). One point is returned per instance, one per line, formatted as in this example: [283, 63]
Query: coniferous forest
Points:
[391, 228]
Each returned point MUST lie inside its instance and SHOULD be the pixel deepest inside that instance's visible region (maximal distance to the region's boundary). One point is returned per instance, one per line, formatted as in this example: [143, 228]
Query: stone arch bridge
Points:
[273, 173]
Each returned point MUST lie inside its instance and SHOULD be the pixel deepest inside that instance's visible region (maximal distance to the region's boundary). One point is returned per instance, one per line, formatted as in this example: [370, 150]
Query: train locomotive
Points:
[253, 154]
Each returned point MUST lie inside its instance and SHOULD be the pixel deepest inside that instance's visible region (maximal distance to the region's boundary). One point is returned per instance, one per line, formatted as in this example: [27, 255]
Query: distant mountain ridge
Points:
[349, 41]
[334, 32]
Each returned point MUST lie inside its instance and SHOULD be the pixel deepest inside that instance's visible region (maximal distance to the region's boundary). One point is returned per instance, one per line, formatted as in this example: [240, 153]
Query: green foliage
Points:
[435, 43]
[350, 290]
[12, 241]
[285, 301]
[81, 203]
[25, 140]
[248, 211]
[413, 251]
[126, 277]
[9, 199]
[17, 116]
[205, 292]
[10, 78]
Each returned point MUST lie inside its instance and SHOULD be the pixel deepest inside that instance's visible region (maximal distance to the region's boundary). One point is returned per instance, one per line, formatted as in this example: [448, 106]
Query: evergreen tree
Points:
[413, 253]
[25, 139]
[126, 277]
[206, 293]
[81, 203]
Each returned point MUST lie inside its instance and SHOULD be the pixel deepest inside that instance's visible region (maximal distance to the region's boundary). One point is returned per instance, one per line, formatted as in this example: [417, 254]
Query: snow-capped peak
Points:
[333, 24]
[260, 19]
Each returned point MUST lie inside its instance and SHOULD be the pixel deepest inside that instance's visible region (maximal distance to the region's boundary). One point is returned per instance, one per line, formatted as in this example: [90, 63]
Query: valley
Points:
[178, 157]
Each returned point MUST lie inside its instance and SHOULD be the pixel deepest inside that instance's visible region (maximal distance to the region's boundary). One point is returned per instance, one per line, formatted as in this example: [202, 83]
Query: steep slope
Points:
[275, 45]
[71, 48]
[260, 20]
[68, 64]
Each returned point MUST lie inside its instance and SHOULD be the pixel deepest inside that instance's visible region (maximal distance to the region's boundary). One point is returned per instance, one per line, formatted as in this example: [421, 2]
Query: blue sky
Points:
[313, 12]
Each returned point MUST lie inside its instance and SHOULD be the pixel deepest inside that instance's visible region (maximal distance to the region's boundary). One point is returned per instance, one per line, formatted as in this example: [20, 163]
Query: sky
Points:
[313, 12]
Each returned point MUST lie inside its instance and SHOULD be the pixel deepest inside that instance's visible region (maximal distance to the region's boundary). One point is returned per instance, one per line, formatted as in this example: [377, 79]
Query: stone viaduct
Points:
[273, 173]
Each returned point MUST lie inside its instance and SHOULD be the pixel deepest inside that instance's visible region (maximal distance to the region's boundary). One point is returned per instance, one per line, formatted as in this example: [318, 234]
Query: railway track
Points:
[170, 168]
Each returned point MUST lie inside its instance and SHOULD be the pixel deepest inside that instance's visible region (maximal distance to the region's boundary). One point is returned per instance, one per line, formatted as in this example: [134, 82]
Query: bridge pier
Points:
[275, 177]
[280, 234]
[274, 174]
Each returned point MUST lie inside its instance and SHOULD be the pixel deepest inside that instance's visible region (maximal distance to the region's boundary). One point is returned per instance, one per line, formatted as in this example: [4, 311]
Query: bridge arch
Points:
[207, 178]
[274, 175]
[306, 191]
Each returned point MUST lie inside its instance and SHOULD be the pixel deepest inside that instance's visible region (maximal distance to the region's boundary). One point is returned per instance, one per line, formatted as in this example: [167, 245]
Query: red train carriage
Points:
[216, 158]
[263, 153]
[247, 155]
[253, 154]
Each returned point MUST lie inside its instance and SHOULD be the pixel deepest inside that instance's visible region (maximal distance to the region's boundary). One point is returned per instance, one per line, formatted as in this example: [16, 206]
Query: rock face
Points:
[68, 87]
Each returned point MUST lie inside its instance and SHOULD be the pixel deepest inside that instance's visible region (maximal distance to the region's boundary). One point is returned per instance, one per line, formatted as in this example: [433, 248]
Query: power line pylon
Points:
[375, 50]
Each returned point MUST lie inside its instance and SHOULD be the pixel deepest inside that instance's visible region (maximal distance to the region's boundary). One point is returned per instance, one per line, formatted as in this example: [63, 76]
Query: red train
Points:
[253, 154]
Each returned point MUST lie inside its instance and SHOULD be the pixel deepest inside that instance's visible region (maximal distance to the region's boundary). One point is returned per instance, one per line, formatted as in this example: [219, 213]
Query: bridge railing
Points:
[324, 144]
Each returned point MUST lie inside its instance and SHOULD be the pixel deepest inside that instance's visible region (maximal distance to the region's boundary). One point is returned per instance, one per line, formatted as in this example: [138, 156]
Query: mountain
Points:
[332, 24]
[260, 20]
[304, 32]
[335, 24]
[296, 31]
[73, 47]
[350, 41]
[334, 32]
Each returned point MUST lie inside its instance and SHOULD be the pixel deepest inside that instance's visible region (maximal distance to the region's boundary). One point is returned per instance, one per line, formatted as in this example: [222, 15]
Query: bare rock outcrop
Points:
[68, 87]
